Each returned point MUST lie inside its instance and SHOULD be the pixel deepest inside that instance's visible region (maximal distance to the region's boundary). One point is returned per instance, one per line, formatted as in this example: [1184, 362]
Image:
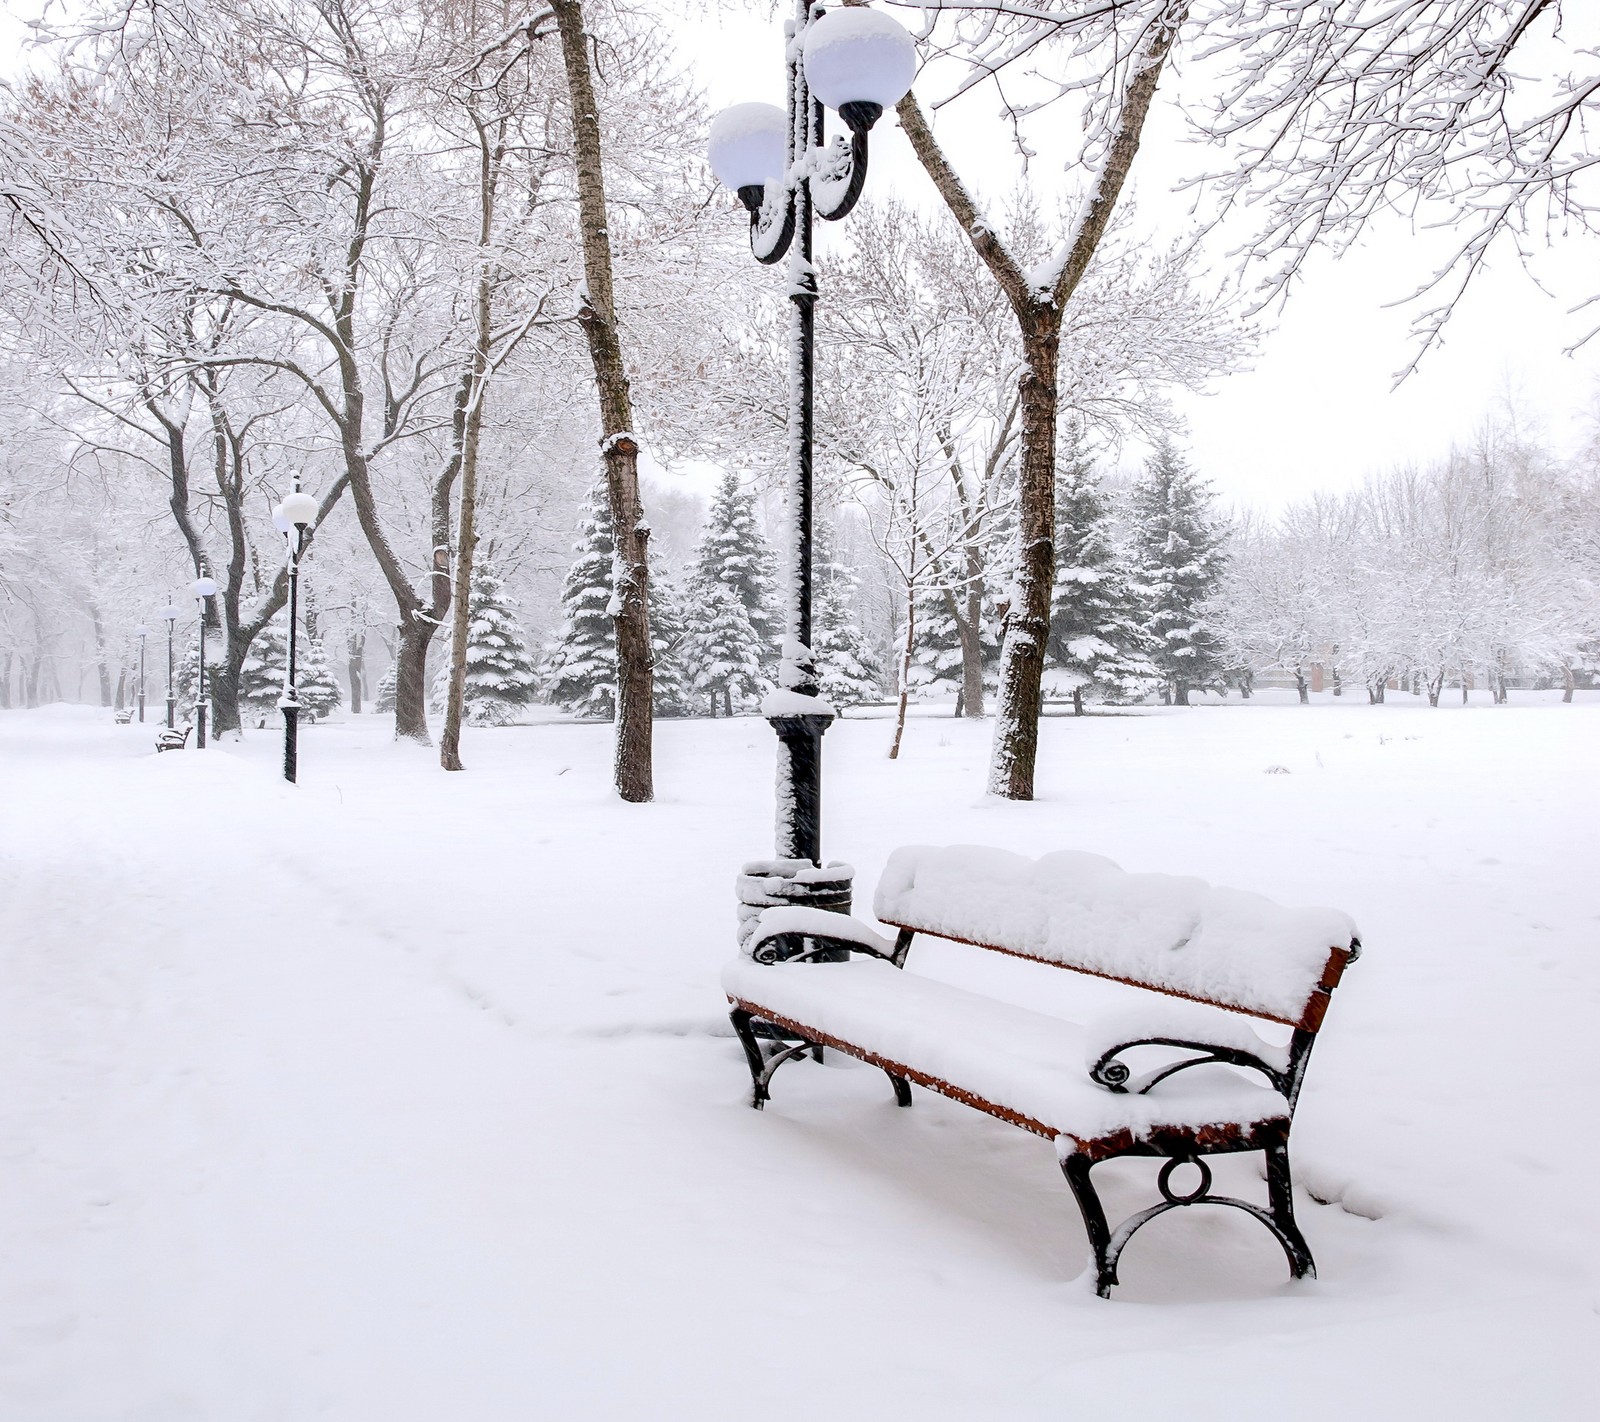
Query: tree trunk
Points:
[411, 680]
[1180, 693]
[1301, 688]
[1435, 688]
[1077, 701]
[905, 671]
[1568, 684]
[355, 666]
[619, 449]
[1016, 735]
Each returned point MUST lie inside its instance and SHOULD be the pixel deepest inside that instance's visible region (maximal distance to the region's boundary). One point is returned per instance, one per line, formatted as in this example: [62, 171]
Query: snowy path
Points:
[295, 1127]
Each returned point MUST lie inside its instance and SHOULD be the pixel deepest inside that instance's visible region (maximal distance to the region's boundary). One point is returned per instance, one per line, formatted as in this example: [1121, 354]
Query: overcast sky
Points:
[1317, 411]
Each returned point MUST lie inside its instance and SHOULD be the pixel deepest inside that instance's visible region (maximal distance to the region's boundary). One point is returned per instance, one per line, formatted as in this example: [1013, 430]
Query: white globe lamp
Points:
[859, 62]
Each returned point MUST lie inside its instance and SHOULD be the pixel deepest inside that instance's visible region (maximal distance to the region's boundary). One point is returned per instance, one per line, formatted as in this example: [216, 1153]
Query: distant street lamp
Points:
[170, 615]
[203, 588]
[141, 632]
[290, 519]
[859, 62]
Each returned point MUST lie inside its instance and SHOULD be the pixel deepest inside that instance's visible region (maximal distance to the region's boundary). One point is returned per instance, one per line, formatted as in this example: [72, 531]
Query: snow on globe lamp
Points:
[298, 509]
[280, 521]
[169, 615]
[859, 62]
[141, 632]
[748, 147]
[205, 587]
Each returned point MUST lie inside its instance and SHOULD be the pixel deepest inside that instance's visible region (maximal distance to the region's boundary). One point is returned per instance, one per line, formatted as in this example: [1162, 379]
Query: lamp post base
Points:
[800, 785]
[200, 726]
[172, 714]
[291, 741]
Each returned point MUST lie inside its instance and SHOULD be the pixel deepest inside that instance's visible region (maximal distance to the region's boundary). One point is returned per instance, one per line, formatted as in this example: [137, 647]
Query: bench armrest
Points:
[1119, 1077]
[792, 933]
[1211, 1035]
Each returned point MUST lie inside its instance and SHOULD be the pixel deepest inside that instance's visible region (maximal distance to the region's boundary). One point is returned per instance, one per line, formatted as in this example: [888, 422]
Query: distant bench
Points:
[174, 738]
[811, 979]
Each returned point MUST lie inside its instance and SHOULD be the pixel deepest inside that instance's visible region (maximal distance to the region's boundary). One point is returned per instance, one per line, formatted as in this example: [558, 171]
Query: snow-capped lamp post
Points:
[141, 632]
[204, 587]
[858, 62]
[170, 615]
[290, 519]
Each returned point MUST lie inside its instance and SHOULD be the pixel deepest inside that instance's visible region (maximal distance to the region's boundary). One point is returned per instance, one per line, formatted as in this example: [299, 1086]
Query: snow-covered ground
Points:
[403, 1097]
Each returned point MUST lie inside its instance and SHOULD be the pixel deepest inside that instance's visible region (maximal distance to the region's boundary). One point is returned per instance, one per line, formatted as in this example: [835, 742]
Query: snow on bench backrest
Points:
[1176, 935]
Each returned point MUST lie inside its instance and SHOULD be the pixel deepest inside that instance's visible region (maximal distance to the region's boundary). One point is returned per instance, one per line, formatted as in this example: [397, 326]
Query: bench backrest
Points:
[1174, 935]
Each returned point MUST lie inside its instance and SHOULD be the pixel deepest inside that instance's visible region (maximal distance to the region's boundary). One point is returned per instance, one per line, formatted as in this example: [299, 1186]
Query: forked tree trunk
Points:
[618, 448]
[1016, 740]
[1039, 311]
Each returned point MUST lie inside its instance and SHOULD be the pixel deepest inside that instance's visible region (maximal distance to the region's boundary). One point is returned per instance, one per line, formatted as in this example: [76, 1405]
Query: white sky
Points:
[1317, 410]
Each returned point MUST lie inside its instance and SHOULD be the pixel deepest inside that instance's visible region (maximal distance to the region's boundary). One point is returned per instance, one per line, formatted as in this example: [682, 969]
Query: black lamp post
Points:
[141, 632]
[859, 62]
[290, 519]
[204, 587]
[169, 615]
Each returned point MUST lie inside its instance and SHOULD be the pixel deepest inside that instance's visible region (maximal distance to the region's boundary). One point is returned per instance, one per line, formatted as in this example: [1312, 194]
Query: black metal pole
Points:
[290, 702]
[172, 690]
[200, 686]
[799, 817]
[141, 678]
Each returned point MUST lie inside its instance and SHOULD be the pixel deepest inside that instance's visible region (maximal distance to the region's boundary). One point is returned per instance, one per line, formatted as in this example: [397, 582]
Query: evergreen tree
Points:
[315, 685]
[674, 690]
[501, 677]
[1178, 555]
[734, 552]
[580, 666]
[935, 647]
[261, 676]
[383, 698]
[848, 670]
[1095, 631]
[721, 651]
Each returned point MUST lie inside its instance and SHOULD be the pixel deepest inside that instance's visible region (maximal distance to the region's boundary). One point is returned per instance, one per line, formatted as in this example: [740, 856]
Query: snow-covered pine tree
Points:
[1177, 546]
[383, 697]
[501, 676]
[936, 646]
[848, 670]
[315, 685]
[721, 651]
[261, 676]
[672, 687]
[1095, 631]
[734, 552]
[580, 665]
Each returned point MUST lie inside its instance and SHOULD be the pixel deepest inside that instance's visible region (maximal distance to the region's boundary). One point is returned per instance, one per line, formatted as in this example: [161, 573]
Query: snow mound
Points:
[1177, 935]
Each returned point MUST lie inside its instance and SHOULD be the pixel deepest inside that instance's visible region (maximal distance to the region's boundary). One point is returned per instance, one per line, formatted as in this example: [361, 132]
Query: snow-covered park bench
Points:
[174, 738]
[1099, 1088]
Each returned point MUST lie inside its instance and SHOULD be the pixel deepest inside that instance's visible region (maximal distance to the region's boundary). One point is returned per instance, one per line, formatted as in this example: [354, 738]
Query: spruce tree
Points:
[261, 675]
[501, 676]
[673, 688]
[1095, 626]
[734, 552]
[315, 685]
[721, 650]
[383, 698]
[580, 666]
[1178, 555]
[848, 669]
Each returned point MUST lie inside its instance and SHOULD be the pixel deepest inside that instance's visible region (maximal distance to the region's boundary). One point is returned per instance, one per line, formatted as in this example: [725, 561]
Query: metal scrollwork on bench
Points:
[811, 948]
[1118, 1076]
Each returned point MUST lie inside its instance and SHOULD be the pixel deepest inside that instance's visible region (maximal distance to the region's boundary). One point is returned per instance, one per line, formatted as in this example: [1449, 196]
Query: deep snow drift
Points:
[401, 1096]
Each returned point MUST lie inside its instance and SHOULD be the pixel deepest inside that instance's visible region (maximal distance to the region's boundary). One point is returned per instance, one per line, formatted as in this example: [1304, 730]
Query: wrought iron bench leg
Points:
[902, 1088]
[1076, 1168]
[1280, 1195]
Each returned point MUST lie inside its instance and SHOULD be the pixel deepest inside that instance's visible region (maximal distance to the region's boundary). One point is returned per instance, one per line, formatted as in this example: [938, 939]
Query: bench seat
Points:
[1023, 1066]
